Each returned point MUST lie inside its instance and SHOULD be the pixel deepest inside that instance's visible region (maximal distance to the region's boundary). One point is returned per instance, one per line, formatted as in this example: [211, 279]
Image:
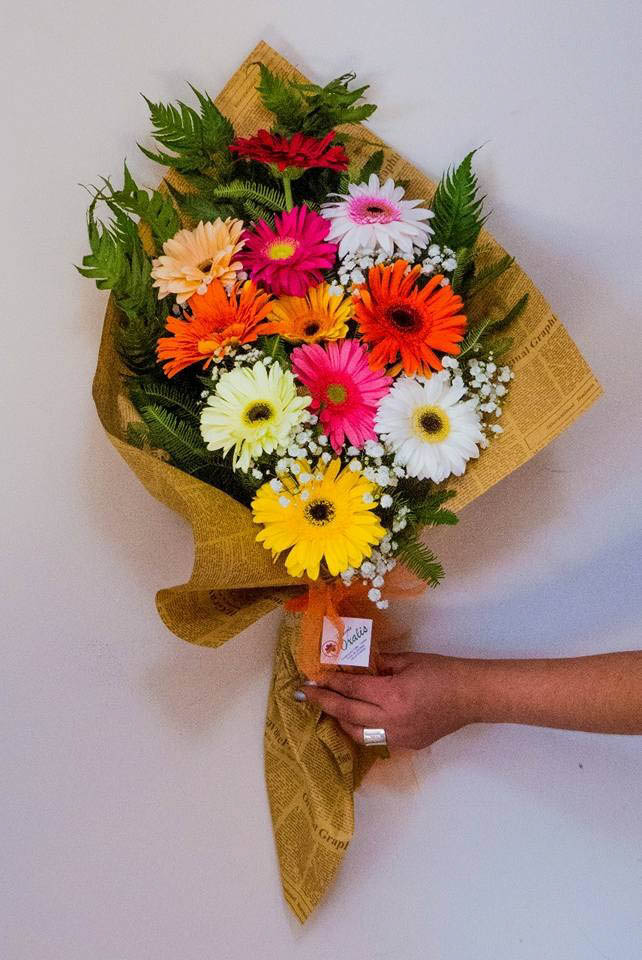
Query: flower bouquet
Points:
[307, 351]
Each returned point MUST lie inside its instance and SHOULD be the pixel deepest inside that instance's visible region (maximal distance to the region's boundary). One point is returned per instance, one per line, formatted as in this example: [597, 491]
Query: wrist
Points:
[478, 688]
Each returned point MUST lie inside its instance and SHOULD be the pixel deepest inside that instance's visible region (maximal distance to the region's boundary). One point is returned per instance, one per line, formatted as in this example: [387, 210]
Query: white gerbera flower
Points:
[432, 431]
[374, 216]
[253, 409]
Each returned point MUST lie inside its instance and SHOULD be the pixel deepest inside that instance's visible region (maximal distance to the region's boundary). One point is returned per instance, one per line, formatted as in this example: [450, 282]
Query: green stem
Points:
[287, 189]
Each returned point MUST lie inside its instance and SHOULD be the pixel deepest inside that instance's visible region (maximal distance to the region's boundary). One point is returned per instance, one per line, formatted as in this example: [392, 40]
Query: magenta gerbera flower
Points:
[344, 390]
[290, 258]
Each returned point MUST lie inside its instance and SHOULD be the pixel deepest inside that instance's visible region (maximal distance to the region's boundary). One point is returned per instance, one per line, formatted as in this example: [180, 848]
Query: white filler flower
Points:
[373, 215]
[430, 429]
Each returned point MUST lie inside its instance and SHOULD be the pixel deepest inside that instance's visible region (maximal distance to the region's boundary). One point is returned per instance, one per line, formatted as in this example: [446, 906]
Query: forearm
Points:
[599, 694]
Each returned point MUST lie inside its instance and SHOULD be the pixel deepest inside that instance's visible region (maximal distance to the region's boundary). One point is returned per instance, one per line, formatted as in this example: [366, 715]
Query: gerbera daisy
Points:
[330, 518]
[432, 431]
[344, 389]
[405, 323]
[298, 152]
[289, 258]
[320, 315]
[373, 215]
[193, 258]
[253, 411]
[212, 324]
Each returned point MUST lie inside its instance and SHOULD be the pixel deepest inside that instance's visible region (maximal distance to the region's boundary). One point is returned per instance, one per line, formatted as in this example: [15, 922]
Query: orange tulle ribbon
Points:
[331, 599]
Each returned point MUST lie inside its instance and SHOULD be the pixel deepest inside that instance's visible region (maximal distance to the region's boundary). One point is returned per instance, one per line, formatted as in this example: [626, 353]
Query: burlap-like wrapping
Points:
[312, 768]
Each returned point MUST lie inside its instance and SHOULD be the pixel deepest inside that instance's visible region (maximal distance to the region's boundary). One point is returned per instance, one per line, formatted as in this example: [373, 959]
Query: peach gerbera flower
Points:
[319, 315]
[193, 258]
[213, 323]
[407, 325]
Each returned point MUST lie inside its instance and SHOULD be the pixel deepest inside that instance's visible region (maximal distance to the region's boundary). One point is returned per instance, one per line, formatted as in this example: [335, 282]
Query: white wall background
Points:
[135, 824]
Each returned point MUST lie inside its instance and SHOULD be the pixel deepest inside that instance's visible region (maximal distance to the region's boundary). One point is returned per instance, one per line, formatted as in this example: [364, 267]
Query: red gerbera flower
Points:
[290, 257]
[299, 151]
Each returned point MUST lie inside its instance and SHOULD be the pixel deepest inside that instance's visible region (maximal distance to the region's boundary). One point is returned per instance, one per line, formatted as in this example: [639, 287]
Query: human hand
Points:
[417, 699]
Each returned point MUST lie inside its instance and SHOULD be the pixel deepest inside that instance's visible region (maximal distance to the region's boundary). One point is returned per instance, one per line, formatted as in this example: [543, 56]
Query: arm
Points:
[422, 697]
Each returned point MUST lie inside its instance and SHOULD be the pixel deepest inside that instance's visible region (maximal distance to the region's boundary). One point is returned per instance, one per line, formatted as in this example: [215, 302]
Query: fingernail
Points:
[310, 683]
[299, 695]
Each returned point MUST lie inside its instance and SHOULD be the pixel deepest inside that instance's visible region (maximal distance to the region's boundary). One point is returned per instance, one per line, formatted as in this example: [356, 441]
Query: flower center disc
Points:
[258, 413]
[404, 319]
[336, 394]
[205, 266]
[281, 249]
[319, 512]
[311, 329]
[432, 424]
[373, 210]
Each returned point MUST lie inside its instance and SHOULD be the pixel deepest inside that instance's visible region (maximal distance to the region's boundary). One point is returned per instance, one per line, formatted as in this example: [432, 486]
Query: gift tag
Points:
[355, 650]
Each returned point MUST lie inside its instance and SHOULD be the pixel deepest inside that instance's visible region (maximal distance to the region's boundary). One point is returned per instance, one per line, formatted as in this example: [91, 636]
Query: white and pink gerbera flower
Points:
[374, 216]
[345, 391]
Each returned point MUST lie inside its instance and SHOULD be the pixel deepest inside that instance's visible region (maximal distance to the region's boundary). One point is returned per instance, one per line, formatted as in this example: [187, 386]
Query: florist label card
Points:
[355, 650]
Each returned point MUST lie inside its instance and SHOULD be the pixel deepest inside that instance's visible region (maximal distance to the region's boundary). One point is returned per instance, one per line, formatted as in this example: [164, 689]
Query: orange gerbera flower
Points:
[214, 323]
[406, 324]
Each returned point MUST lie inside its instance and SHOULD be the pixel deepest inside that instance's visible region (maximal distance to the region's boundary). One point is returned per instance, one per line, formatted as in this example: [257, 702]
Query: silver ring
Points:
[374, 737]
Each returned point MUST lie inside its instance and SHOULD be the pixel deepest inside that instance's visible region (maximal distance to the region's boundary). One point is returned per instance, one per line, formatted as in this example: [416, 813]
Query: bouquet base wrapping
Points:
[312, 769]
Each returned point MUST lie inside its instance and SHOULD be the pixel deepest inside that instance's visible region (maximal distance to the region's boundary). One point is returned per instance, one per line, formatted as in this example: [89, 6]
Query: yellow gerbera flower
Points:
[193, 258]
[319, 315]
[253, 411]
[322, 515]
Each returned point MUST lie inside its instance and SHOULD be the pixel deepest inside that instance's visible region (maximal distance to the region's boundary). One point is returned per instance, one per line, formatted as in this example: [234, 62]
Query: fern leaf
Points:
[282, 99]
[194, 138]
[153, 208]
[242, 191]
[477, 334]
[421, 561]
[372, 165]
[179, 439]
[457, 207]
[137, 434]
[490, 274]
[145, 391]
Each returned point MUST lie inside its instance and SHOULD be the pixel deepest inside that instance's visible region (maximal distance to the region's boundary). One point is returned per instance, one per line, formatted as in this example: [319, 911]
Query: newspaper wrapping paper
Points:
[312, 768]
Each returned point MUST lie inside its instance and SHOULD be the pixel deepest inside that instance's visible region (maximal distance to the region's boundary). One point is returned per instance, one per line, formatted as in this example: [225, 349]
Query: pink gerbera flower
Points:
[290, 258]
[344, 389]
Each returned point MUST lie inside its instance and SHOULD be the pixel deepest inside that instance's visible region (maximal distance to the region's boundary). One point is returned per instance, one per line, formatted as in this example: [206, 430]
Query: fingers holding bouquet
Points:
[416, 700]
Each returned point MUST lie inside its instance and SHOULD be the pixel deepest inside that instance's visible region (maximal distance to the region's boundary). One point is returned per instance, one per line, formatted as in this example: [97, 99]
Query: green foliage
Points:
[170, 396]
[241, 198]
[463, 271]
[275, 347]
[198, 140]
[457, 207]
[489, 274]
[309, 108]
[430, 512]
[477, 334]
[152, 207]
[179, 439]
[416, 556]
[498, 346]
[137, 434]
[281, 98]
[118, 262]
[372, 165]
